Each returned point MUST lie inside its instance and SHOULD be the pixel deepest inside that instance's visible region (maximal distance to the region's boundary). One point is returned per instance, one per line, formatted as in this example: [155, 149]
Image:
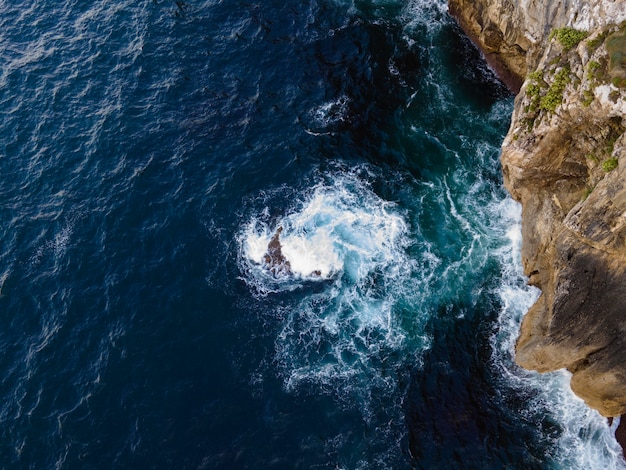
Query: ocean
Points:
[150, 152]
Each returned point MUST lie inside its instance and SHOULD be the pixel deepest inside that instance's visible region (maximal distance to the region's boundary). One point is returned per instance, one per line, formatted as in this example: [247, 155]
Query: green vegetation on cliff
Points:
[610, 164]
[554, 96]
[616, 47]
[568, 37]
[544, 97]
[594, 43]
[533, 90]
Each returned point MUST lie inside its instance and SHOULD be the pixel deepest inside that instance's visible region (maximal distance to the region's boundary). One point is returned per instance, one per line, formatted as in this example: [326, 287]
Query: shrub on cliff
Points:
[610, 164]
[554, 95]
[568, 37]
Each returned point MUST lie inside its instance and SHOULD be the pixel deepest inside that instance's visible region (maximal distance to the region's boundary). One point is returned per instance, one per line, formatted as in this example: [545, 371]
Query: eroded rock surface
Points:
[274, 259]
[513, 33]
[564, 159]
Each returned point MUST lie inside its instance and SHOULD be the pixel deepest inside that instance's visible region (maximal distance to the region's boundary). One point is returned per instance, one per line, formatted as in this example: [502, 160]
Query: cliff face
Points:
[513, 33]
[564, 159]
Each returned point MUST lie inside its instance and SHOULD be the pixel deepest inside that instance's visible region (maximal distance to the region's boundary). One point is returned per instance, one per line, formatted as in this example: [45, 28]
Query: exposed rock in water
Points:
[564, 159]
[274, 259]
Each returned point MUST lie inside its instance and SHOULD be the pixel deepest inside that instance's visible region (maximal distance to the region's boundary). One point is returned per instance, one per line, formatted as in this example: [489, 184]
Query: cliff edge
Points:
[564, 159]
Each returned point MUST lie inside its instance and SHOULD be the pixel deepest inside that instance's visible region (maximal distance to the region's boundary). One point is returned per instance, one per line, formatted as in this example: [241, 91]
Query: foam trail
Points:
[585, 440]
[353, 244]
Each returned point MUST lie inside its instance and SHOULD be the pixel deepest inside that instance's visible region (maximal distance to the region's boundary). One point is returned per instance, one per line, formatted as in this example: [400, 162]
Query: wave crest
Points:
[347, 253]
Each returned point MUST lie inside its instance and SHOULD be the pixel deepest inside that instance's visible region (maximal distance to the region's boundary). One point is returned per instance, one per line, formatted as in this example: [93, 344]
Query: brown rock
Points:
[566, 135]
[274, 259]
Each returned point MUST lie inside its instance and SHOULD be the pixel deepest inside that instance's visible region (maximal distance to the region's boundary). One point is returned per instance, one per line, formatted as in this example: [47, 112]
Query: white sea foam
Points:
[332, 111]
[489, 227]
[339, 231]
[334, 337]
[585, 440]
[341, 332]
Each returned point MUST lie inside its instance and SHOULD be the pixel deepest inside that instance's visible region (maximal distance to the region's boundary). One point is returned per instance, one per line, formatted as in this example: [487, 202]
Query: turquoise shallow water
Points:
[148, 154]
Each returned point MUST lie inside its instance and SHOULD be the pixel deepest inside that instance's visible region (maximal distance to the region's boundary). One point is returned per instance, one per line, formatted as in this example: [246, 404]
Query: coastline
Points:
[535, 319]
[620, 434]
[509, 77]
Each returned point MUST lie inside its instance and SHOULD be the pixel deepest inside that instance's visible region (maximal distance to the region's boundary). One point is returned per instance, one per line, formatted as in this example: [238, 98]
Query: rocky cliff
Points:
[564, 159]
[513, 33]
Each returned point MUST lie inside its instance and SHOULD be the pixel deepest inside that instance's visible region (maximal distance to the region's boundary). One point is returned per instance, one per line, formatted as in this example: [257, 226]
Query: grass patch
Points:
[533, 90]
[592, 66]
[568, 37]
[554, 96]
[619, 82]
[610, 143]
[610, 164]
[594, 43]
[534, 94]
[536, 76]
[588, 98]
[529, 123]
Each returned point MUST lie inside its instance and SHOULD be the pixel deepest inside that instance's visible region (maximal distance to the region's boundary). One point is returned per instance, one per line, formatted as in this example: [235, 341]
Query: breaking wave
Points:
[349, 266]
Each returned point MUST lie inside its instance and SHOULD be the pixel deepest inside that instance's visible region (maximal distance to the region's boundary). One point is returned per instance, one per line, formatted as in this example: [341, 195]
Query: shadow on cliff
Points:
[474, 80]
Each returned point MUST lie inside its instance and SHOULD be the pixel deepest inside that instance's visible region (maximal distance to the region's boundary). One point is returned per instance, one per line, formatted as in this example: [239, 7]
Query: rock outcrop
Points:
[564, 159]
[513, 33]
[274, 260]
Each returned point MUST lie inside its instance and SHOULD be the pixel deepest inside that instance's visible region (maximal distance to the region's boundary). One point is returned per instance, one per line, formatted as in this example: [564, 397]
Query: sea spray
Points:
[151, 152]
[344, 236]
[584, 439]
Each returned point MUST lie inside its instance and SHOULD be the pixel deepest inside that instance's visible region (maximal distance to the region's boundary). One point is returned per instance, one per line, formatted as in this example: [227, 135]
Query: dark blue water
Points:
[149, 151]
